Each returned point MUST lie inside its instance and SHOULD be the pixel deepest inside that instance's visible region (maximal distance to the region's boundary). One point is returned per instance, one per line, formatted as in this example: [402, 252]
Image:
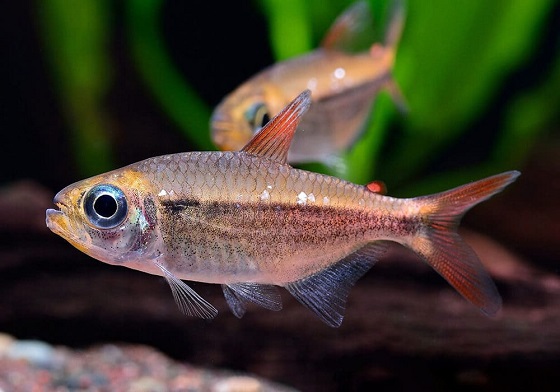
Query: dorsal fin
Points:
[274, 140]
[351, 26]
[397, 16]
[377, 187]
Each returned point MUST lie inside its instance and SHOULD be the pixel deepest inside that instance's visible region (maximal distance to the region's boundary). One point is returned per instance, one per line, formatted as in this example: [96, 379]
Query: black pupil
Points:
[265, 119]
[105, 206]
[258, 116]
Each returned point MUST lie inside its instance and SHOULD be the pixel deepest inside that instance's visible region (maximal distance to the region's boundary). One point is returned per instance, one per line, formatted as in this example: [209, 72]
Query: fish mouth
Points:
[56, 220]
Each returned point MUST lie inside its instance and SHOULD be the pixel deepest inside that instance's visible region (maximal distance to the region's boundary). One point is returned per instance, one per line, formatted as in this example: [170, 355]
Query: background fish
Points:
[250, 222]
[343, 86]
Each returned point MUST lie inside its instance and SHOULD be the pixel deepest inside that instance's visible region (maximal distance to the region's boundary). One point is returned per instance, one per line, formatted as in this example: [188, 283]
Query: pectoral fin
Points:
[239, 294]
[186, 298]
[326, 292]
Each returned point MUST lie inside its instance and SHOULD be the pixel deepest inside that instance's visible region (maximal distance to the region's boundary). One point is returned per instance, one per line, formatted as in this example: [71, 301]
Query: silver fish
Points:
[343, 85]
[249, 221]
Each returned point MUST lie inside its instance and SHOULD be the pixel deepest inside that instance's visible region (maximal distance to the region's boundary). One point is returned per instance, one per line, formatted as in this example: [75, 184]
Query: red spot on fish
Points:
[377, 187]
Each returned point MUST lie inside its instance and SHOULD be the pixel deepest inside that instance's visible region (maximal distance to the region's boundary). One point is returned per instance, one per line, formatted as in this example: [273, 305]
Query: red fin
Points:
[348, 27]
[274, 140]
[377, 187]
[442, 247]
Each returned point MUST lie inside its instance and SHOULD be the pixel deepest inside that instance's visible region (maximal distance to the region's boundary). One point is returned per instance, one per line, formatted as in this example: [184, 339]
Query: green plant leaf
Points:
[453, 58]
[176, 97]
[76, 39]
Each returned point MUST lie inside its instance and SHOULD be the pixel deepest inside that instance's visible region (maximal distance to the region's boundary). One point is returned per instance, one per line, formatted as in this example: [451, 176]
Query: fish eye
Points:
[257, 116]
[105, 206]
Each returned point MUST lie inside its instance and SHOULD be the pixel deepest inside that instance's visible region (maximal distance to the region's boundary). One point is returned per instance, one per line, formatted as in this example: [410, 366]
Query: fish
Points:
[344, 85]
[249, 221]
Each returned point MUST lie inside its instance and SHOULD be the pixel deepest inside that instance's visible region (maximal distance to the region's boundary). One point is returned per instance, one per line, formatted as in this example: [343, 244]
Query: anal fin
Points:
[326, 292]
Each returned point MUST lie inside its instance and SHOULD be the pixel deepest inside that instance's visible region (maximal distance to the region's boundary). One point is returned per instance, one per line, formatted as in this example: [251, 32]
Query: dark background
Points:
[404, 329]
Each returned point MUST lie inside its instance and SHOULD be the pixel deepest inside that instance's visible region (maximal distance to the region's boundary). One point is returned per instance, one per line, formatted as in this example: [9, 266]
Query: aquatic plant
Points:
[76, 40]
[475, 74]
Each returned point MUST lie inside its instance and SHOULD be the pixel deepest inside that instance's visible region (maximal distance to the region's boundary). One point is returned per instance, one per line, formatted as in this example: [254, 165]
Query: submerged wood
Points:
[404, 325]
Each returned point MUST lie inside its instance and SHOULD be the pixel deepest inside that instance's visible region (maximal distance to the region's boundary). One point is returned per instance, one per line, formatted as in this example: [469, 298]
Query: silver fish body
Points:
[343, 84]
[249, 221]
[233, 217]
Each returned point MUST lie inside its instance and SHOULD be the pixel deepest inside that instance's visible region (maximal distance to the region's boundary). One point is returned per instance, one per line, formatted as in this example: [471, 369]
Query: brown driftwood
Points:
[404, 326]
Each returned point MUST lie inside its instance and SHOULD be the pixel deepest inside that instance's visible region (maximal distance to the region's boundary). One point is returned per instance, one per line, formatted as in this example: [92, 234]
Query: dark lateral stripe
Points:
[180, 204]
[292, 212]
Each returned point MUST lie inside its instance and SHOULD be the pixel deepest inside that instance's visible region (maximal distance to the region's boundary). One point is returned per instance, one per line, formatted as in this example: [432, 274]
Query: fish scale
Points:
[249, 221]
[226, 220]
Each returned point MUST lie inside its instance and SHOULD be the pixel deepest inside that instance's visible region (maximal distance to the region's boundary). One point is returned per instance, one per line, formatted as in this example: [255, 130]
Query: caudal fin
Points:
[443, 248]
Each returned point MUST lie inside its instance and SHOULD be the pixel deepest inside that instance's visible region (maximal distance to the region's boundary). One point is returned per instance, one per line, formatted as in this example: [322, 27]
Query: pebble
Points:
[37, 353]
[30, 365]
[5, 342]
[239, 384]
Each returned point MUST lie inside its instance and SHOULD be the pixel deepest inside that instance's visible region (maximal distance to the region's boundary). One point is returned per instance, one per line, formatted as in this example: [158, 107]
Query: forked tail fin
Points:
[443, 248]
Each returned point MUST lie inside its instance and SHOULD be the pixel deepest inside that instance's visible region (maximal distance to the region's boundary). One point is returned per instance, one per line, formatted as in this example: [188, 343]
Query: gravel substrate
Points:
[29, 366]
